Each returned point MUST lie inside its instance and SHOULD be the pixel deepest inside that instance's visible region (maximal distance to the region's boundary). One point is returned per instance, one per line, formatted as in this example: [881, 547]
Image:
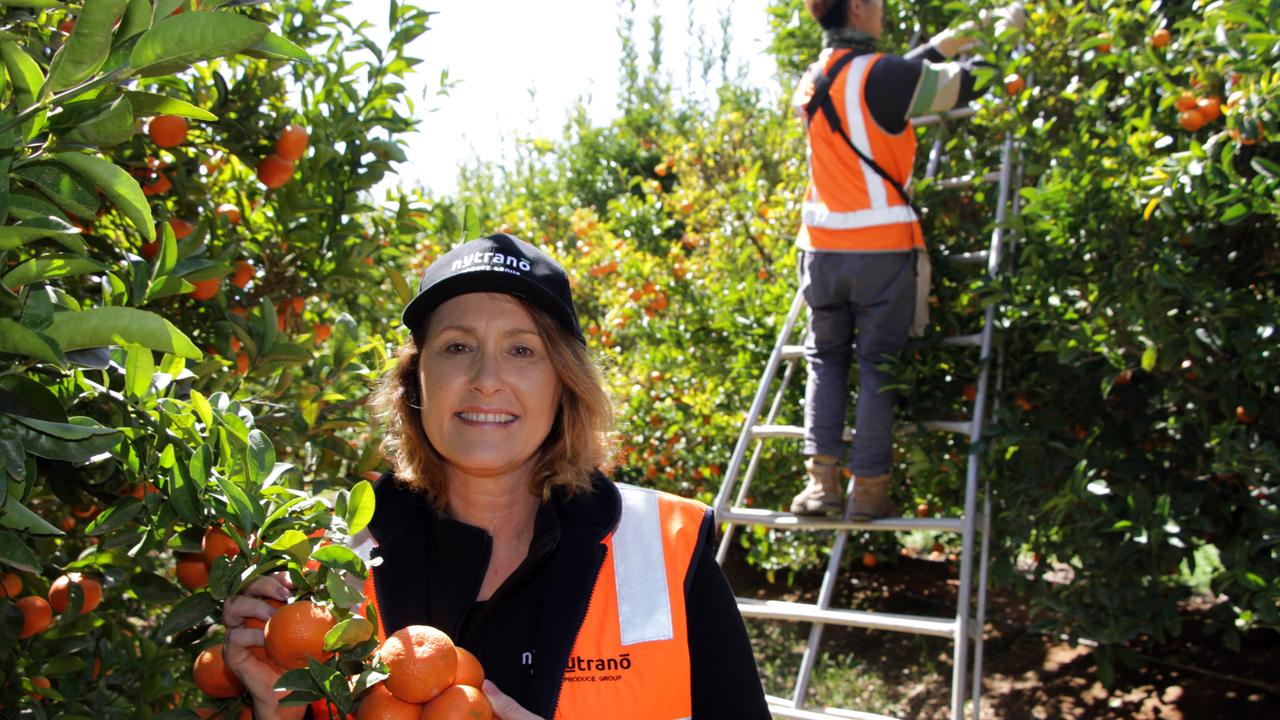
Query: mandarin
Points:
[60, 592]
[421, 662]
[470, 671]
[295, 633]
[292, 142]
[205, 289]
[193, 571]
[217, 542]
[37, 616]
[168, 131]
[212, 675]
[10, 585]
[274, 171]
[380, 704]
[460, 702]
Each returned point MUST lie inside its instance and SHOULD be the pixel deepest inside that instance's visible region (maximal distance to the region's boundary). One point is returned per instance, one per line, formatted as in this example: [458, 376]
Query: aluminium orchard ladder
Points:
[965, 628]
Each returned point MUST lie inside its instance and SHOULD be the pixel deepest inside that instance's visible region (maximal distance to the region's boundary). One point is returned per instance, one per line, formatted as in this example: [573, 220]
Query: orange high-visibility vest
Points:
[631, 657]
[848, 207]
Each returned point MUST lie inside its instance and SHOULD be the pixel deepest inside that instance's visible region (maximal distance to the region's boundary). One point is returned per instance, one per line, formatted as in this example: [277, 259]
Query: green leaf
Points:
[400, 285]
[1149, 358]
[360, 507]
[1235, 214]
[16, 554]
[201, 404]
[14, 236]
[189, 612]
[115, 517]
[339, 557]
[20, 340]
[184, 496]
[274, 47]
[17, 516]
[139, 367]
[248, 514]
[20, 395]
[112, 126]
[260, 456]
[118, 185]
[87, 47]
[146, 104]
[1266, 167]
[347, 634]
[75, 429]
[137, 18]
[67, 190]
[299, 682]
[183, 40]
[26, 76]
[48, 267]
[294, 543]
[53, 447]
[103, 326]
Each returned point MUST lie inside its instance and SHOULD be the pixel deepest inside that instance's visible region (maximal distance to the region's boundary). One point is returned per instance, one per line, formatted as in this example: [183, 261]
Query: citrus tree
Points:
[187, 255]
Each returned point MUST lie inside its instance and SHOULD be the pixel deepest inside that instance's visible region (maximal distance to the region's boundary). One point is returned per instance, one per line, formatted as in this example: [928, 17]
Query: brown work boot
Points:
[871, 498]
[821, 496]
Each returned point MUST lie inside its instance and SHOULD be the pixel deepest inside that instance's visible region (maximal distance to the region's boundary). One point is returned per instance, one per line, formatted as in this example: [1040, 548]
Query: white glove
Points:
[953, 41]
[1012, 16]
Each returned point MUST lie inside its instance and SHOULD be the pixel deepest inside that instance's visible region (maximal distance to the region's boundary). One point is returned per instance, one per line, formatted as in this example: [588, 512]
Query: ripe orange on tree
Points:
[869, 559]
[291, 144]
[42, 683]
[60, 592]
[205, 289]
[1105, 46]
[470, 672]
[36, 615]
[217, 542]
[1186, 101]
[322, 331]
[1210, 107]
[193, 571]
[460, 702]
[150, 250]
[421, 662]
[1244, 417]
[244, 273]
[230, 213]
[380, 704]
[168, 131]
[1190, 120]
[296, 633]
[274, 171]
[212, 675]
[10, 585]
[1014, 84]
[181, 228]
[242, 364]
[1161, 38]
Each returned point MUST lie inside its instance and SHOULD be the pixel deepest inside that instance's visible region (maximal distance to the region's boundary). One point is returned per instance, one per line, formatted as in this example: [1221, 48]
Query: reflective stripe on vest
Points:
[631, 657]
[848, 207]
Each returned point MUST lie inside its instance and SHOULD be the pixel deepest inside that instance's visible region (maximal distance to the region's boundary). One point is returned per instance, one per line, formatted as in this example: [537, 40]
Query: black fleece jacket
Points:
[432, 567]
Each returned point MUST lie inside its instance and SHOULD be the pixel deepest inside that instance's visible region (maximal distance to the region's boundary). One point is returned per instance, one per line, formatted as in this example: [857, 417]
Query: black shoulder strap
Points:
[821, 99]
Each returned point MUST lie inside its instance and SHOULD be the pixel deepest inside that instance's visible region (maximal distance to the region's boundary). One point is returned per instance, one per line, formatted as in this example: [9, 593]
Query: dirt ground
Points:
[1027, 674]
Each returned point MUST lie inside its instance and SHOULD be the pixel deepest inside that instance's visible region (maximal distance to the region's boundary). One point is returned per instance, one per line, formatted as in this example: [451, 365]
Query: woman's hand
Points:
[259, 677]
[504, 708]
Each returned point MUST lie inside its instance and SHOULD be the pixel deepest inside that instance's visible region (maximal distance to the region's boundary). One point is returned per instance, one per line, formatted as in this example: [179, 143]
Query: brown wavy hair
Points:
[579, 443]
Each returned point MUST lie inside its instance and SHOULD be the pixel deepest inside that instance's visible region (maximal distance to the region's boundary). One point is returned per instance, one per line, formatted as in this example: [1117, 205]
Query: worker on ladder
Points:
[863, 266]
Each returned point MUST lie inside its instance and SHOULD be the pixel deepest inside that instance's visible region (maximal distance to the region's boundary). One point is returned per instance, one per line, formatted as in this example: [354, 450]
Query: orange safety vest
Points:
[631, 656]
[848, 207]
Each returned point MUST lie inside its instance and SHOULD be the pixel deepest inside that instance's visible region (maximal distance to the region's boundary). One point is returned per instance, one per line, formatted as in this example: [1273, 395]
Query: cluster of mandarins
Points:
[193, 568]
[37, 612]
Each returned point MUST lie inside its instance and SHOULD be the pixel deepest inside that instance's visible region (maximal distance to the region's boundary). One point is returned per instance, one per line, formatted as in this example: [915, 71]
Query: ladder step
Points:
[805, 612]
[935, 119]
[786, 520]
[974, 340]
[796, 432]
[967, 180]
[781, 707]
[978, 257]
[792, 352]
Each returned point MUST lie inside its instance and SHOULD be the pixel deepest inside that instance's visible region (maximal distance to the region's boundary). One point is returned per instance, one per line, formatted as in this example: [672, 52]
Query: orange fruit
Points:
[1186, 101]
[260, 652]
[10, 585]
[1105, 46]
[470, 672]
[181, 228]
[1014, 84]
[970, 393]
[60, 592]
[67, 525]
[66, 26]
[922, 510]
[168, 131]
[1023, 403]
[230, 213]
[1160, 38]
[150, 250]
[217, 542]
[244, 273]
[274, 171]
[421, 662]
[869, 559]
[1244, 417]
[291, 144]
[1210, 107]
[36, 615]
[212, 675]
[205, 289]
[380, 704]
[192, 570]
[85, 512]
[159, 186]
[460, 702]
[296, 633]
[322, 331]
[42, 683]
[242, 364]
[1190, 120]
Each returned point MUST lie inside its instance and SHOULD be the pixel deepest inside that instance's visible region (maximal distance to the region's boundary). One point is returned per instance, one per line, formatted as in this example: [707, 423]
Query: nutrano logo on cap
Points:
[490, 261]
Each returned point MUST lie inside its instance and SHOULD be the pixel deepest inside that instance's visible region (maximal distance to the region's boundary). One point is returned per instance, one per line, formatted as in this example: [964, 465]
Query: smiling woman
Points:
[581, 598]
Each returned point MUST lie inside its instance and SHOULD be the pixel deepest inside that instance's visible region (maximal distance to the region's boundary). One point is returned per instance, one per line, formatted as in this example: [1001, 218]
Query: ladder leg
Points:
[981, 621]
[827, 590]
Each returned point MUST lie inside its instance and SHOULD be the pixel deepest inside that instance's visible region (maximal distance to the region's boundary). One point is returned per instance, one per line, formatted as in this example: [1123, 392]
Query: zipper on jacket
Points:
[555, 701]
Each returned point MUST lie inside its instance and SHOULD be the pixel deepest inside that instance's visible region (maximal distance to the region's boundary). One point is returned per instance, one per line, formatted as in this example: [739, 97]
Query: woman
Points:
[582, 598]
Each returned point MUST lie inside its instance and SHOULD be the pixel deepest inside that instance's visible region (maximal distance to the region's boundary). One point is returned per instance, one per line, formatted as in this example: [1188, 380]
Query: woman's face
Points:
[489, 391]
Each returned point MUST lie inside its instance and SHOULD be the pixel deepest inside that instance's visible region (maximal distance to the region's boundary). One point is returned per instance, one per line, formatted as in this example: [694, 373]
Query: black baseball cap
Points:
[498, 263]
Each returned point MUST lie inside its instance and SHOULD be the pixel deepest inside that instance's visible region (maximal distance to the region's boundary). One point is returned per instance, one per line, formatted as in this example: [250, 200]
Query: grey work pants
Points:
[861, 302]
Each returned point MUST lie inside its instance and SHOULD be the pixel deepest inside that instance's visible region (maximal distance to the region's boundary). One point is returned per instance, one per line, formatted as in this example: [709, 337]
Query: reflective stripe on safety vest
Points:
[631, 656]
[848, 206]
